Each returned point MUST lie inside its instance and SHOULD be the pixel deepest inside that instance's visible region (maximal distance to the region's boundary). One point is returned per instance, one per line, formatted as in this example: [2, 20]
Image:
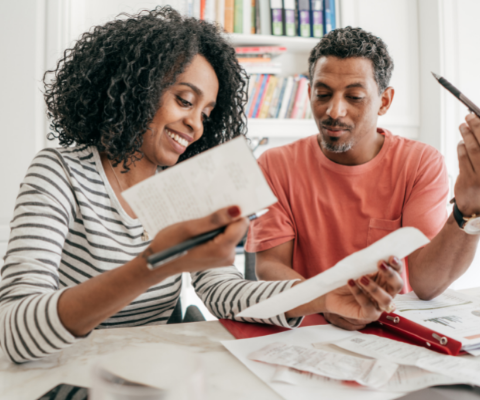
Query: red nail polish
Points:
[351, 283]
[397, 261]
[365, 281]
[234, 211]
[384, 266]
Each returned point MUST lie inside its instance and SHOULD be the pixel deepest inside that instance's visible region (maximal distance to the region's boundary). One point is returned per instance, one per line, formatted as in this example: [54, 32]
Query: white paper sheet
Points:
[223, 176]
[405, 379]
[452, 314]
[368, 372]
[462, 369]
[330, 389]
[400, 243]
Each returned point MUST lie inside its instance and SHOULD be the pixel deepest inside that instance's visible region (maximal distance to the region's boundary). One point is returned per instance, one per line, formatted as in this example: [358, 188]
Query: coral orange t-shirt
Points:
[332, 210]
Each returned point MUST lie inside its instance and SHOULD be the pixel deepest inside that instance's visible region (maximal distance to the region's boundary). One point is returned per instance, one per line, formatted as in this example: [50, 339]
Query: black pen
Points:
[158, 259]
[459, 95]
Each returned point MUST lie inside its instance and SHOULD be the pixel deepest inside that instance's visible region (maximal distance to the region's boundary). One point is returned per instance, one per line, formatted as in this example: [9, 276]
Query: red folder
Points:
[390, 326]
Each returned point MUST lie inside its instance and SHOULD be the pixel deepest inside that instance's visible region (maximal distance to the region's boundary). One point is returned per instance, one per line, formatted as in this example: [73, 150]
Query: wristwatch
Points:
[470, 225]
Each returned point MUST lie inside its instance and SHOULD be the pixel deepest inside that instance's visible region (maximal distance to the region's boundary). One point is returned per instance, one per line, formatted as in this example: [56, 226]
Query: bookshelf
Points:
[294, 61]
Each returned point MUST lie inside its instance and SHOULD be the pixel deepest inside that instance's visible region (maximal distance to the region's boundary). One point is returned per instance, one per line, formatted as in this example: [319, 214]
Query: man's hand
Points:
[353, 306]
[467, 186]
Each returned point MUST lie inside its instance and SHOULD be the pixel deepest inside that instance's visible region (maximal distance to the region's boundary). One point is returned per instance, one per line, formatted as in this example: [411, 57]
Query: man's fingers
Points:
[470, 149]
[368, 307]
[473, 123]
[383, 299]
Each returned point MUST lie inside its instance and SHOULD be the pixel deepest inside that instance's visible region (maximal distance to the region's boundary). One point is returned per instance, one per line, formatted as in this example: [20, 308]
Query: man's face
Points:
[345, 102]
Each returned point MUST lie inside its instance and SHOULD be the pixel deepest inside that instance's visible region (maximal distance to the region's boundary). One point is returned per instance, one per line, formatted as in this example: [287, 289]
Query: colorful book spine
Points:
[260, 50]
[220, 12]
[238, 17]
[229, 12]
[265, 106]
[289, 18]
[299, 103]
[291, 100]
[329, 15]
[276, 111]
[247, 16]
[276, 9]
[202, 9]
[261, 95]
[253, 21]
[252, 84]
[286, 97]
[257, 89]
[317, 18]
[275, 98]
[304, 28]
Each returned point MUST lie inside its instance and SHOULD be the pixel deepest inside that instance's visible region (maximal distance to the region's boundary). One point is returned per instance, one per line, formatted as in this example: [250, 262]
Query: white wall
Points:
[22, 33]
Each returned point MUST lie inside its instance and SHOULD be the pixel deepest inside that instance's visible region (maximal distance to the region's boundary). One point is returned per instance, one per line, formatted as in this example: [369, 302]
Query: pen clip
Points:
[167, 260]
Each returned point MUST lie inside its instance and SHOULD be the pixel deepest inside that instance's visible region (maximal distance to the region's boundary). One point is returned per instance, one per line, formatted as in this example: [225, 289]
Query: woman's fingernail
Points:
[351, 282]
[397, 261]
[384, 266]
[365, 281]
[234, 211]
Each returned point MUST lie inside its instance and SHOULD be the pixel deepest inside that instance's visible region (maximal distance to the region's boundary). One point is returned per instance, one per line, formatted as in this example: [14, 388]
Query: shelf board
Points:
[293, 44]
[281, 128]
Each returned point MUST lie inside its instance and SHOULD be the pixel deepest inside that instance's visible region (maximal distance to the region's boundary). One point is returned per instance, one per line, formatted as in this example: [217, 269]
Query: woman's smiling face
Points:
[184, 106]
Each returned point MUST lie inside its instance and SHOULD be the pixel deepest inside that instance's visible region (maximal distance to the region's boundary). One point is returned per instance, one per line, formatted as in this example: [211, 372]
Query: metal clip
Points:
[442, 339]
[395, 320]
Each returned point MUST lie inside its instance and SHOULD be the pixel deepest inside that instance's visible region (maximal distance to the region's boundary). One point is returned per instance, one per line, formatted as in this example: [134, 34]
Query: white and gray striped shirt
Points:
[68, 226]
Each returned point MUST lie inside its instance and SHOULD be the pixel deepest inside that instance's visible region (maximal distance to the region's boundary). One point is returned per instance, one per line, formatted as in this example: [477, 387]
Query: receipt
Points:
[400, 243]
[367, 372]
[460, 369]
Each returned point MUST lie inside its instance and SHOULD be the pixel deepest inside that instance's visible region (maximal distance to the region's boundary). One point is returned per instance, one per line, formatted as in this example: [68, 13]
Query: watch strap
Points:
[457, 214]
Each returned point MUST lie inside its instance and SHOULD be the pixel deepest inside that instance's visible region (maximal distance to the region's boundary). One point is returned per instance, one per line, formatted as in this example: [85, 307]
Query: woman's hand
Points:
[360, 302]
[218, 252]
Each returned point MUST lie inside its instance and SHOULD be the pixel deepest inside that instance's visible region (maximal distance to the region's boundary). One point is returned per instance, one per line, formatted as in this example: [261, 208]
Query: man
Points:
[354, 183]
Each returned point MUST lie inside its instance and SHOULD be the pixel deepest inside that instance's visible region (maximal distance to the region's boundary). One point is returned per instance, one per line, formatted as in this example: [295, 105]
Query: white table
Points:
[225, 376]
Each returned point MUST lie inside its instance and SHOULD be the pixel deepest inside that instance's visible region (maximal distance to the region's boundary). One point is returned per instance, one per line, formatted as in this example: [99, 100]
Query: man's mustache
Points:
[334, 123]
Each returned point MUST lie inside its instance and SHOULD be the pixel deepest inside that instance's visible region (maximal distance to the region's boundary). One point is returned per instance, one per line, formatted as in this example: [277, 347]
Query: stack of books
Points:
[260, 59]
[270, 96]
[305, 18]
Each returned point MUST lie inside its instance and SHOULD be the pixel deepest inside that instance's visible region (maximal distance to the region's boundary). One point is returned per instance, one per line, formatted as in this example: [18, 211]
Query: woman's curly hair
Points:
[107, 89]
[355, 42]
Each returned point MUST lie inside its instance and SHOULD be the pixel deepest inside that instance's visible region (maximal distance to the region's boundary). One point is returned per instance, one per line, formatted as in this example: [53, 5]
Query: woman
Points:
[133, 96]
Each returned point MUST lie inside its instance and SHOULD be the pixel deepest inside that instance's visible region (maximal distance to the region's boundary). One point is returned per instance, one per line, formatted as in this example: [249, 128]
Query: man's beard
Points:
[330, 144]
[333, 147]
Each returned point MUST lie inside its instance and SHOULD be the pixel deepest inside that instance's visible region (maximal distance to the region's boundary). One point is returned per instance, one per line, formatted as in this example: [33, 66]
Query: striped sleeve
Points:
[30, 327]
[226, 293]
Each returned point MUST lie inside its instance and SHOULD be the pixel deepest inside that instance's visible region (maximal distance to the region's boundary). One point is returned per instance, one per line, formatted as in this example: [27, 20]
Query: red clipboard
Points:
[389, 326]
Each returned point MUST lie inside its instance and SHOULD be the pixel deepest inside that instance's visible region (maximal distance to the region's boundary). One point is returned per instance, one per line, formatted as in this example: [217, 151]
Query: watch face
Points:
[472, 226]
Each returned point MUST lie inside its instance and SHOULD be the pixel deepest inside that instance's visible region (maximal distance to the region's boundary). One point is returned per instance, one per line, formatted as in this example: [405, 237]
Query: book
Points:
[261, 95]
[289, 18]
[278, 103]
[247, 16]
[265, 106]
[276, 10]
[252, 84]
[265, 18]
[220, 12]
[254, 60]
[238, 16]
[229, 13]
[189, 8]
[253, 21]
[317, 18]
[275, 98]
[255, 95]
[270, 68]
[209, 13]
[299, 102]
[196, 9]
[304, 28]
[272, 50]
[202, 9]
[287, 93]
[291, 100]
[329, 16]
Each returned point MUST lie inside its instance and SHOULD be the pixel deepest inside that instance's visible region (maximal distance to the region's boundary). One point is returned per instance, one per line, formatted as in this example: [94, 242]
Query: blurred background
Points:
[422, 35]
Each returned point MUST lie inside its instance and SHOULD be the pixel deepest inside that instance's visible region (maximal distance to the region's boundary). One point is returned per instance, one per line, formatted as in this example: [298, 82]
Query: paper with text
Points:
[400, 243]
[405, 379]
[452, 314]
[461, 369]
[223, 176]
[367, 372]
